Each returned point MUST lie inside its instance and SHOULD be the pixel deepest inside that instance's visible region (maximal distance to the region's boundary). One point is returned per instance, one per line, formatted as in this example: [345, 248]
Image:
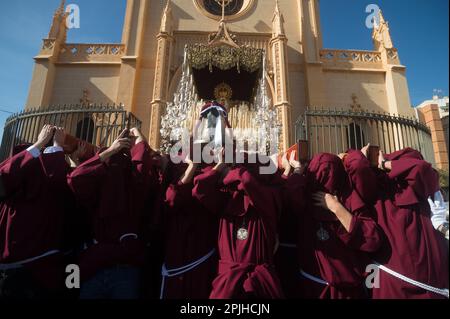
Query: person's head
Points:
[404, 153]
[259, 166]
[326, 173]
[212, 125]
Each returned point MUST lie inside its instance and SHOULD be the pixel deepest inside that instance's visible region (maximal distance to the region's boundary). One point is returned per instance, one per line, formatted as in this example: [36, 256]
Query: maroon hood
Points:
[405, 153]
[326, 173]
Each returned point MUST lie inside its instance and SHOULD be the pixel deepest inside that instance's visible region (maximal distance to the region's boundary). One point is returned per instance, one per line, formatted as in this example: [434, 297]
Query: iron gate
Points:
[335, 131]
[97, 124]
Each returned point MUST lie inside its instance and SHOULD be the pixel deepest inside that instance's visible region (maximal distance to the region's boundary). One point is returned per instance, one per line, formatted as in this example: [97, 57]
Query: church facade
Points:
[143, 72]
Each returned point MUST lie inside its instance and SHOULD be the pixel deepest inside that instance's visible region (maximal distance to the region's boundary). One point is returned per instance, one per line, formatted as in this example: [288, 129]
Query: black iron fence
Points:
[337, 130]
[96, 124]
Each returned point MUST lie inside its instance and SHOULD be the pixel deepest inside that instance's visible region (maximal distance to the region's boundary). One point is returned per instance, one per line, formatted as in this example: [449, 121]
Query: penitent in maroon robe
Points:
[190, 231]
[413, 247]
[32, 214]
[115, 194]
[246, 266]
[332, 260]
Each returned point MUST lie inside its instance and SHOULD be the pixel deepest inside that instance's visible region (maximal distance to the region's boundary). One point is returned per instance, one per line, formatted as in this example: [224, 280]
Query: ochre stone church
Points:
[144, 71]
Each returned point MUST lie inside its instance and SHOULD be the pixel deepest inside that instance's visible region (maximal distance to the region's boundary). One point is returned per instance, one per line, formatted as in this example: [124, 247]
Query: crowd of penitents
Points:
[140, 226]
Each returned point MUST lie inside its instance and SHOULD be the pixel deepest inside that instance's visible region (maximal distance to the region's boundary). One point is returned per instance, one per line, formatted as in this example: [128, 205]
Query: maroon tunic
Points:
[190, 233]
[32, 213]
[115, 194]
[246, 266]
[413, 248]
[339, 257]
[286, 257]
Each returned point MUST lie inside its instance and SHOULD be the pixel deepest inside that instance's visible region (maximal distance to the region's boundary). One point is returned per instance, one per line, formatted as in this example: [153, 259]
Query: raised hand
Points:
[59, 137]
[188, 175]
[121, 143]
[285, 164]
[138, 134]
[342, 156]
[382, 163]
[365, 150]
[45, 136]
[331, 203]
[295, 164]
[326, 201]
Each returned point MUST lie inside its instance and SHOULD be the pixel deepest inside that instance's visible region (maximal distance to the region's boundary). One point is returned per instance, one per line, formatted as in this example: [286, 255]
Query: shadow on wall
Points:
[178, 14]
[69, 90]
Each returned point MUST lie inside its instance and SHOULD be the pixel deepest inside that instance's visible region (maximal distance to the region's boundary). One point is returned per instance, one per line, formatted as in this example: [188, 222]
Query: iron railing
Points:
[337, 130]
[96, 124]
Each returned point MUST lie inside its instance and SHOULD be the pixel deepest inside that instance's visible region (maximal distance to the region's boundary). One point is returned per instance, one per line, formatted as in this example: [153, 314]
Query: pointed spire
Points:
[61, 9]
[277, 21]
[382, 21]
[166, 21]
[277, 6]
[381, 34]
[59, 23]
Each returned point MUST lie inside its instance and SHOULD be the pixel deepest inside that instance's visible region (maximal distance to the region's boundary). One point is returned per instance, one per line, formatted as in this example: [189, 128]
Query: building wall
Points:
[446, 132]
[368, 87]
[430, 115]
[100, 81]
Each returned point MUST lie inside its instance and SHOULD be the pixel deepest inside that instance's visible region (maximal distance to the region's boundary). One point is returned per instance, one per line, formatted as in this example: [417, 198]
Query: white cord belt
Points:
[179, 271]
[313, 278]
[443, 292]
[95, 242]
[20, 264]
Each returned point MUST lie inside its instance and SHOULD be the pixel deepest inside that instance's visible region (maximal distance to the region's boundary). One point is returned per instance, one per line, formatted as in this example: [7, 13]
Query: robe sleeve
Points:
[177, 195]
[364, 235]
[207, 191]
[145, 175]
[145, 183]
[362, 178]
[14, 171]
[85, 181]
[416, 180]
[262, 197]
[140, 157]
[294, 191]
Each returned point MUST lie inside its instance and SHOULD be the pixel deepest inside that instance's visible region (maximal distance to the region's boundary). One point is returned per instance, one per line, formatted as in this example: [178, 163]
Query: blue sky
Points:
[419, 29]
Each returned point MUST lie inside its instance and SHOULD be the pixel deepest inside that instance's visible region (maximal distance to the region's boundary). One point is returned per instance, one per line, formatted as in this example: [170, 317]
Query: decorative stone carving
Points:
[224, 57]
[355, 106]
[85, 100]
[381, 34]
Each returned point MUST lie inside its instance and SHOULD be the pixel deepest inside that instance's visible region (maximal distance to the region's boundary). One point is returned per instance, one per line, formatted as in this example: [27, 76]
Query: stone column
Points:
[278, 45]
[161, 83]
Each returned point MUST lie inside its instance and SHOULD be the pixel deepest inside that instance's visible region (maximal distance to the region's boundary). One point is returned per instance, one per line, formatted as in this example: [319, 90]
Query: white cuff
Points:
[53, 149]
[135, 236]
[438, 210]
[34, 151]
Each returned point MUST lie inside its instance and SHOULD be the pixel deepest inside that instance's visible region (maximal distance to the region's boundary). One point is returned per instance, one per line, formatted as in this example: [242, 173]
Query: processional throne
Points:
[233, 75]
